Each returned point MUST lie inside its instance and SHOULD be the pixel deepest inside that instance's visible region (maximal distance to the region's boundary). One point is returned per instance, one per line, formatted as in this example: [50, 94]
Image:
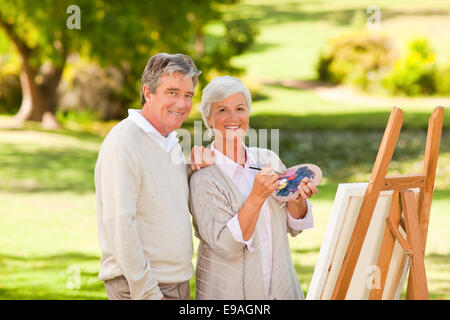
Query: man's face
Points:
[170, 105]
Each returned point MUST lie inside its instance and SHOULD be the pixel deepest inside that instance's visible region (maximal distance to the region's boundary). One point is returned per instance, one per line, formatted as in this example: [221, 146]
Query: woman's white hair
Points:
[219, 89]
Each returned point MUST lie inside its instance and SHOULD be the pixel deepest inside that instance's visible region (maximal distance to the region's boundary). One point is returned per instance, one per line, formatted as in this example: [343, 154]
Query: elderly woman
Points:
[244, 250]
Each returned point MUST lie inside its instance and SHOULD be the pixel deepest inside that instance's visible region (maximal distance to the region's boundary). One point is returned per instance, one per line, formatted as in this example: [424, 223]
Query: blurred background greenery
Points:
[326, 73]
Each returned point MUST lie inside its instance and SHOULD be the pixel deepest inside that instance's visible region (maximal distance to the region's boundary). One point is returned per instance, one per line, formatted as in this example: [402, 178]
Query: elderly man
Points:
[144, 225]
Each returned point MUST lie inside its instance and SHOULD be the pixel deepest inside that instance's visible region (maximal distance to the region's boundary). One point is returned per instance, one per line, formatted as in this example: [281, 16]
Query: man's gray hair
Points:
[219, 89]
[164, 63]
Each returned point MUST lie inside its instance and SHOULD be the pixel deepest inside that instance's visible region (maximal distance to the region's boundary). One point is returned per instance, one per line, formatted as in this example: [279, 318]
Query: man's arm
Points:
[120, 180]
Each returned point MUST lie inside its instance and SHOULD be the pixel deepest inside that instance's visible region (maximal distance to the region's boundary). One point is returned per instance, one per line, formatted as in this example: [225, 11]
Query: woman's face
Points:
[229, 118]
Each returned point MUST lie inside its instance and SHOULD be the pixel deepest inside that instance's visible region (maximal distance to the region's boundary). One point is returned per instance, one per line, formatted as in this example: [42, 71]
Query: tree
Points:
[127, 33]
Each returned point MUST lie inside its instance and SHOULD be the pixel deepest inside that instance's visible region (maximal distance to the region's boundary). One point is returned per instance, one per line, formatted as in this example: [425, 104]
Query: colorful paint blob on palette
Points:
[290, 180]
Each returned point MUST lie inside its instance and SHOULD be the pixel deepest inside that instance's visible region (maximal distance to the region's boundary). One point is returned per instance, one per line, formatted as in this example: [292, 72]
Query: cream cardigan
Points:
[225, 268]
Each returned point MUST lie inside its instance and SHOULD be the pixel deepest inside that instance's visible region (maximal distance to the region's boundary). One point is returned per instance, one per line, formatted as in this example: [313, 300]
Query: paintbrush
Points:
[256, 168]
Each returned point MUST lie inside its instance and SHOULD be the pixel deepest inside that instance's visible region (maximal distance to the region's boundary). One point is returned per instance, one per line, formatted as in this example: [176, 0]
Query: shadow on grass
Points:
[69, 257]
[354, 121]
[290, 12]
[343, 145]
[77, 134]
[49, 169]
[340, 121]
[46, 277]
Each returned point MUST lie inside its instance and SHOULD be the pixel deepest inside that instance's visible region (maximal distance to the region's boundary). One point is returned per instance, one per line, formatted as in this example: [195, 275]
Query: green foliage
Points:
[414, 74]
[10, 92]
[231, 39]
[111, 31]
[240, 35]
[93, 90]
[368, 61]
[124, 34]
[355, 58]
[443, 79]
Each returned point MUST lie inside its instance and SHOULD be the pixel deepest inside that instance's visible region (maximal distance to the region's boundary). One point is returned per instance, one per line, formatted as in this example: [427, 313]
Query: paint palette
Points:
[291, 178]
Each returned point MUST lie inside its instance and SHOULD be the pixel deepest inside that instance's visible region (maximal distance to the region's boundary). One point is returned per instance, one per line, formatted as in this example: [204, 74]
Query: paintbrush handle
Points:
[256, 168]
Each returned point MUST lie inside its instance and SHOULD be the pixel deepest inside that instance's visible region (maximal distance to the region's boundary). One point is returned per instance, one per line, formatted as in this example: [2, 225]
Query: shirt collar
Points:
[228, 166]
[136, 116]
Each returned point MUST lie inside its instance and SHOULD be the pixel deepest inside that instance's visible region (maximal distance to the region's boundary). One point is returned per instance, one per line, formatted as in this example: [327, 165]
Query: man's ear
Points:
[147, 93]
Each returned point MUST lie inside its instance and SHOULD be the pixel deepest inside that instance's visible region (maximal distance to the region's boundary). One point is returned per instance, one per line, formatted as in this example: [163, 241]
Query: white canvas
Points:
[344, 213]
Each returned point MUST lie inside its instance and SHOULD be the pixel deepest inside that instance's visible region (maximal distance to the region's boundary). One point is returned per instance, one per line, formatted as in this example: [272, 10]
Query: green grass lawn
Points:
[47, 196]
[48, 213]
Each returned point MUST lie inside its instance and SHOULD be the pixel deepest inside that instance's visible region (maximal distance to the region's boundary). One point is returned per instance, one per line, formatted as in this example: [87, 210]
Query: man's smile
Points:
[177, 114]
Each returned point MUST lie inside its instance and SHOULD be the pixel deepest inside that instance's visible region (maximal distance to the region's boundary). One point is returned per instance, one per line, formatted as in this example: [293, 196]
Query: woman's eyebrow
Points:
[239, 104]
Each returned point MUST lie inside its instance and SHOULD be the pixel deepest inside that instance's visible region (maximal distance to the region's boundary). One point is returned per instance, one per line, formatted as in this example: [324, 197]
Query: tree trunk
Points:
[31, 108]
[199, 44]
[39, 99]
[48, 89]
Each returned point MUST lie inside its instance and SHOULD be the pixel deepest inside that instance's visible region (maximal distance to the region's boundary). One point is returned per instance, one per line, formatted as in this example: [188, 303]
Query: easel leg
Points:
[387, 246]
[417, 282]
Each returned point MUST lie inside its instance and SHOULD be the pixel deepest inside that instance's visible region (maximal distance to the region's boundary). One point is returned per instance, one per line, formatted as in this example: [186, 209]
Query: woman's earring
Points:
[211, 132]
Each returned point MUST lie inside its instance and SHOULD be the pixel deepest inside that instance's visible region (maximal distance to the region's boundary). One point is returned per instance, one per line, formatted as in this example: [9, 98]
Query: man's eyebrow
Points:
[178, 90]
[172, 89]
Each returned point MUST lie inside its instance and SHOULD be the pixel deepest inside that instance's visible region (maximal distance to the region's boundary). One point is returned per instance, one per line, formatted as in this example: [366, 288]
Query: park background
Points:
[326, 73]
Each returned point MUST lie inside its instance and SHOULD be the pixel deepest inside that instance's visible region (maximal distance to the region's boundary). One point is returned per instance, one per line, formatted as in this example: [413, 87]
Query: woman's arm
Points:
[264, 184]
[297, 208]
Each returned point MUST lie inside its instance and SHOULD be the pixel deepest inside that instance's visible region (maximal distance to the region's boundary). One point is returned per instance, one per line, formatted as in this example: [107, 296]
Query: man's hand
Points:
[201, 157]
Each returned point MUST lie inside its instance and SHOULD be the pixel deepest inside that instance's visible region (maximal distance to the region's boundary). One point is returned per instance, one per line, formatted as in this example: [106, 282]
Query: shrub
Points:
[443, 79]
[10, 93]
[415, 73]
[93, 91]
[355, 58]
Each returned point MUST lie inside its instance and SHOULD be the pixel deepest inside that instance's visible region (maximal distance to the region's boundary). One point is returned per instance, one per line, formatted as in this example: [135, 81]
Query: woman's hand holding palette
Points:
[292, 177]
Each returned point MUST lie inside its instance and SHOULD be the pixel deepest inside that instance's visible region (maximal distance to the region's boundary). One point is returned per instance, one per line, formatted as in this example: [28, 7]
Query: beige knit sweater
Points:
[144, 224]
[226, 269]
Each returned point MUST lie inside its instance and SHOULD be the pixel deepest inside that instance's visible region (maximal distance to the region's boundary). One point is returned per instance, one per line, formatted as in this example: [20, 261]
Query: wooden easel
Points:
[416, 213]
